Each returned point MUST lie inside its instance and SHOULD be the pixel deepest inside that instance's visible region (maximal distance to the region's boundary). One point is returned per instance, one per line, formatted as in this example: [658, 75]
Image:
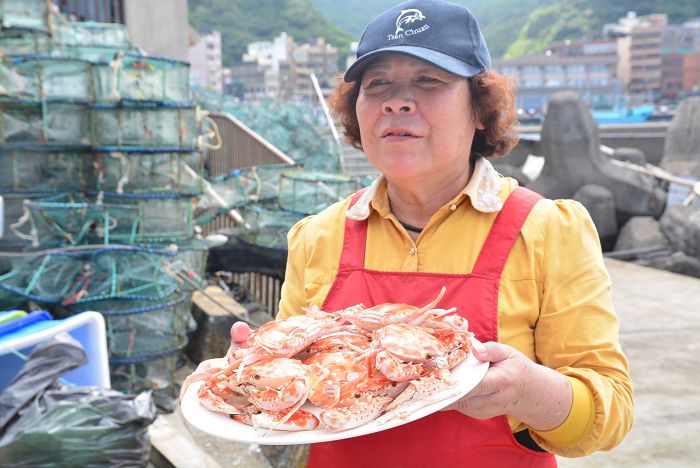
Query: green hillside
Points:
[518, 27]
[512, 27]
[244, 21]
[500, 29]
[573, 19]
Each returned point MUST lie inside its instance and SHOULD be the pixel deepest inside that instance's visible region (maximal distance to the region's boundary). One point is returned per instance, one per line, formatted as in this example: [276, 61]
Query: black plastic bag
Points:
[45, 423]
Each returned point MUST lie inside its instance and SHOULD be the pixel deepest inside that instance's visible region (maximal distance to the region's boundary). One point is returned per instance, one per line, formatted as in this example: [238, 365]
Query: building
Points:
[321, 59]
[206, 67]
[281, 69]
[588, 67]
[640, 40]
[680, 74]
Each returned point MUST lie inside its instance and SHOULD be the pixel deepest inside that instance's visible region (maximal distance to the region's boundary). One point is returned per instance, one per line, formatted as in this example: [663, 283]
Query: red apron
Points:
[445, 438]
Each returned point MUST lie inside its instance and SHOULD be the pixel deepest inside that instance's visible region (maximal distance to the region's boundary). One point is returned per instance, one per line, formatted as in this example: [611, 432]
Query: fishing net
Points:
[140, 328]
[143, 170]
[267, 226]
[155, 372]
[46, 122]
[297, 130]
[311, 192]
[43, 77]
[15, 218]
[137, 77]
[22, 42]
[84, 275]
[45, 170]
[90, 33]
[30, 14]
[106, 218]
[137, 124]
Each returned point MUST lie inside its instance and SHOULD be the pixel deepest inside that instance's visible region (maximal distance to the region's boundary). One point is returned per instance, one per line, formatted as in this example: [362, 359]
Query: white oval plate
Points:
[467, 374]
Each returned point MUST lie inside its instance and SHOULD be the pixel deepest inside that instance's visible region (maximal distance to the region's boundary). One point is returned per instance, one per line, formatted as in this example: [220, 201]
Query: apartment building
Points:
[281, 69]
[587, 66]
[206, 65]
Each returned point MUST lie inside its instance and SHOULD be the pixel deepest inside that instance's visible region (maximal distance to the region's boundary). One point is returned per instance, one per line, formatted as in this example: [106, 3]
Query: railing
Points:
[264, 288]
[240, 147]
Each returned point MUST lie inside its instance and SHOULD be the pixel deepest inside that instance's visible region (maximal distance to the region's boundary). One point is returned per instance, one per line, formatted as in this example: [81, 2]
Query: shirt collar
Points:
[482, 189]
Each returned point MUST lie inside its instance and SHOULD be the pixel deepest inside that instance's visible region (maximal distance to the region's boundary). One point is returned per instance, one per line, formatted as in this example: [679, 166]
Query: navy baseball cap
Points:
[438, 32]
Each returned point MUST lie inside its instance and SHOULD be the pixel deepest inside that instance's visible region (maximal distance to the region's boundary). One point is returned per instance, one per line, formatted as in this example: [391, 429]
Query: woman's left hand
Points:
[516, 386]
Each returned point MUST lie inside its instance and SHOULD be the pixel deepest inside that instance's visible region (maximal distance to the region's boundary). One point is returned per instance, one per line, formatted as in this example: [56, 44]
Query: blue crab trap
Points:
[146, 170]
[142, 328]
[90, 33]
[154, 372]
[112, 218]
[45, 169]
[29, 14]
[24, 42]
[159, 125]
[44, 77]
[141, 78]
[267, 226]
[81, 275]
[310, 192]
[56, 122]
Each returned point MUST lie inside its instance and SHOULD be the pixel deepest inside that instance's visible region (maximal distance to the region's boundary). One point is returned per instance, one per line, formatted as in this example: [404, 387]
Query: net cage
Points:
[163, 125]
[65, 169]
[84, 275]
[16, 42]
[267, 225]
[46, 169]
[106, 218]
[310, 192]
[156, 372]
[144, 170]
[90, 33]
[57, 122]
[141, 78]
[143, 328]
[45, 77]
[31, 14]
[15, 217]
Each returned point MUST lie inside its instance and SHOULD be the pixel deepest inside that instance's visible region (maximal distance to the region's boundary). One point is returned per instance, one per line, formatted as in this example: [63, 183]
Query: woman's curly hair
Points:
[493, 101]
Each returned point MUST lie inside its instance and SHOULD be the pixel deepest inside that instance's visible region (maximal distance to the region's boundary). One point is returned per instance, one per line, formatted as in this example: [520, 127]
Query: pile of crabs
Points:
[355, 365]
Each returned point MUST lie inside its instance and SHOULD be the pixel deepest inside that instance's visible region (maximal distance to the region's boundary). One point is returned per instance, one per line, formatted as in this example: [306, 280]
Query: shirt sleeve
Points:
[577, 335]
[292, 297]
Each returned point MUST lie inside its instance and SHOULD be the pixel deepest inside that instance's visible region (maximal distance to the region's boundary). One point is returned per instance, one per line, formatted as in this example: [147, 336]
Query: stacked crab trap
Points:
[100, 167]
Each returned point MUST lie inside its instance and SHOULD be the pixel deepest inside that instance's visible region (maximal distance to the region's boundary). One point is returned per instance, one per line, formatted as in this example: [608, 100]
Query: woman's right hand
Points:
[240, 331]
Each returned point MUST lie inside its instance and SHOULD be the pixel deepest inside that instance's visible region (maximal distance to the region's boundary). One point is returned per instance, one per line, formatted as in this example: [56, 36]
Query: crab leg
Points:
[420, 393]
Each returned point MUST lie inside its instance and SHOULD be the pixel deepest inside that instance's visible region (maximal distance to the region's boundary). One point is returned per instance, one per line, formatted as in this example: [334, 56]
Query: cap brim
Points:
[438, 59]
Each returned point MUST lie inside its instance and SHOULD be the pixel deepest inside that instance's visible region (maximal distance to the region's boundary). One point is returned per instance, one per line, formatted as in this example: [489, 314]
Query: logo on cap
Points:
[405, 18]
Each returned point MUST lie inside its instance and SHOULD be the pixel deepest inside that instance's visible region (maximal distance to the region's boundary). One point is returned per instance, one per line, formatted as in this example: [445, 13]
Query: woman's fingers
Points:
[240, 331]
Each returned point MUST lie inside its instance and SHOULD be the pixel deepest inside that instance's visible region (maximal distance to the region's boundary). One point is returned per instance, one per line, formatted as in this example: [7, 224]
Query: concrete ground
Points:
[660, 333]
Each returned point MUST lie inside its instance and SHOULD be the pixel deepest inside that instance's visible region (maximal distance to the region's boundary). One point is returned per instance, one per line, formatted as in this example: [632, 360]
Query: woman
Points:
[526, 272]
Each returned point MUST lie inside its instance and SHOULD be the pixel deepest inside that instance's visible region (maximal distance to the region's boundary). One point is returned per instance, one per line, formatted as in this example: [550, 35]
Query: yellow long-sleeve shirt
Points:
[554, 303]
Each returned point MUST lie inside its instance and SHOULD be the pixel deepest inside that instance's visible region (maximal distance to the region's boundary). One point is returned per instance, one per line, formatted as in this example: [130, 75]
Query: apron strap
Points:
[505, 231]
[354, 240]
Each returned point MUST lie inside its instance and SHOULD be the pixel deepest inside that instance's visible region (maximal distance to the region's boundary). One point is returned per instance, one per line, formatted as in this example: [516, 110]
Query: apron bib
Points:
[445, 438]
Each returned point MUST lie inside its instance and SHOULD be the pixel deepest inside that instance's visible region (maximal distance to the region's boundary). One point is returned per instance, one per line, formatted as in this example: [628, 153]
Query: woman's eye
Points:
[377, 82]
[428, 79]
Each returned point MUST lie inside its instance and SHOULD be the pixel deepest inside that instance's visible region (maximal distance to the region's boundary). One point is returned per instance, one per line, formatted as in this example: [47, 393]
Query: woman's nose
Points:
[399, 105]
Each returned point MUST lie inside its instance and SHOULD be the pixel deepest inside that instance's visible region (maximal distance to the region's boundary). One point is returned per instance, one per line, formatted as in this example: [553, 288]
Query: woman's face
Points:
[416, 120]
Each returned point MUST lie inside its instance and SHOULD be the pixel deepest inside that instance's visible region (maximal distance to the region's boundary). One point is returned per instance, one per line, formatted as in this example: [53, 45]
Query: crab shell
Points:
[343, 368]
[285, 338]
[410, 343]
